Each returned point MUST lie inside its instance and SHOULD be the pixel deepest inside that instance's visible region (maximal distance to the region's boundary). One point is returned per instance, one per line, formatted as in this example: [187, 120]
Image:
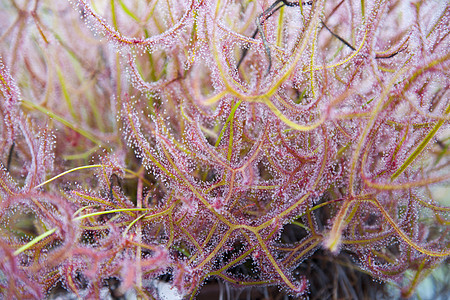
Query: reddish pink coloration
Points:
[201, 167]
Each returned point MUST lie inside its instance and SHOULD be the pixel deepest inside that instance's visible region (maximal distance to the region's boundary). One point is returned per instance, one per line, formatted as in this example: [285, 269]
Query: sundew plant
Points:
[202, 141]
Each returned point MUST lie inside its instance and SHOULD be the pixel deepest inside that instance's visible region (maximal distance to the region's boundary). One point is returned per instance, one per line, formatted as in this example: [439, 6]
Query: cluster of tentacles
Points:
[228, 139]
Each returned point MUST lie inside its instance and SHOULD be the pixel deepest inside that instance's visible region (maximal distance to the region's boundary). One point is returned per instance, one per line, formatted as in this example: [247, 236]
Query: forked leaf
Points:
[420, 148]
